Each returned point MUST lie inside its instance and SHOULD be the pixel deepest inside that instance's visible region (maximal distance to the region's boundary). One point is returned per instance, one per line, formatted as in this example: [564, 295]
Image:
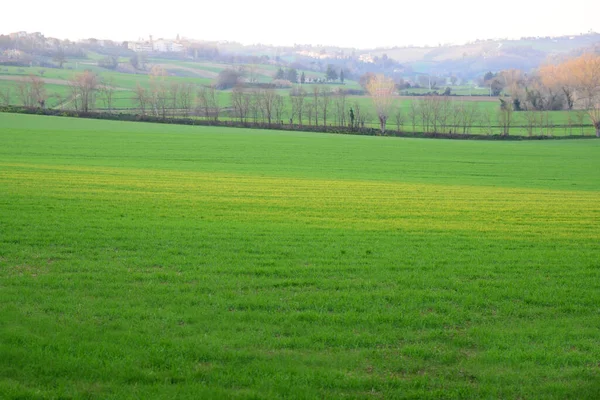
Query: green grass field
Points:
[153, 261]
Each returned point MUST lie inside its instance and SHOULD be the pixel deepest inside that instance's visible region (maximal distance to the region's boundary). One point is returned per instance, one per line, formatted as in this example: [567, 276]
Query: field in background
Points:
[145, 260]
[557, 123]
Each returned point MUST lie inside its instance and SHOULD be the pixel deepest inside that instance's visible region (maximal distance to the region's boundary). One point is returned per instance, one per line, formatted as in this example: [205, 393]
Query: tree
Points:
[280, 74]
[59, 58]
[253, 73]
[134, 61]
[83, 90]
[279, 107]
[586, 75]
[325, 101]
[340, 107]
[237, 102]
[227, 79]
[331, 73]
[356, 117]
[141, 98]
[315, 103]
[174, 90]
[297, 97]
[505, 116]
[399, 116]
[268, 104]
[302, 78]
[186, 98]
[208, 101]
[413, 114]
[342, 76]
[107, 90]
[559, 78]
[158, 91]
[111, 62]
[496, 86]
[381, 89]
[32, 91]
[5, 97]
[292, 75]
[365, 79]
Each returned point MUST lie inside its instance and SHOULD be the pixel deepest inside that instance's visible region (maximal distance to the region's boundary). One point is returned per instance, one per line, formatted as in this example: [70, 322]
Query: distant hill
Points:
[468, 61]
[478, 57]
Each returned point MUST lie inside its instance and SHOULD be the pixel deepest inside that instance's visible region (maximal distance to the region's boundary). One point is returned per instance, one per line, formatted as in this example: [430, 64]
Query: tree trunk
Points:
[598, 130]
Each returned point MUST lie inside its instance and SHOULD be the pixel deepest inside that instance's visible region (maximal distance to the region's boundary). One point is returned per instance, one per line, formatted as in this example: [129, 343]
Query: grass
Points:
[141, 260]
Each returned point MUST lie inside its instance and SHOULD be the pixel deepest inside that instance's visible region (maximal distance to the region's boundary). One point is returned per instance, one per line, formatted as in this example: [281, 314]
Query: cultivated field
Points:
[154, 261]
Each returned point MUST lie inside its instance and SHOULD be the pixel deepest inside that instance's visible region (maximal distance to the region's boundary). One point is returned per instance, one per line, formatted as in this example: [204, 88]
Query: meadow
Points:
[157, 261]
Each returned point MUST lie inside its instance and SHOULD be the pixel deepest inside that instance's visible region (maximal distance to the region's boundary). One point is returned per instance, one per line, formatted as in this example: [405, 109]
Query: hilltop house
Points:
[157, 46]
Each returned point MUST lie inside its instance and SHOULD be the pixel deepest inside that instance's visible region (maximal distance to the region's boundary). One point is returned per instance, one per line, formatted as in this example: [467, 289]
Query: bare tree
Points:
[487, 122]
[214, 102]
[586, 74]
[267, 104]
[471, 115]
[413, 114]
[381, 89]
[399, 117]
[559, 78]
[309, 111]
[445, 109]
[426, 113]
[107, 90]
[237, 102]
[253, 73]
[325, 102]
[505, 117]
[141, 98]
[173, 97]
[83, 89]
[580, 117]
[32, 91]
[297, 97]
[358, 117]
[186, 98]
[435, 107]
[569, 126]
[204, 101]
[315, 104]
[254, 105]
[24, 93]
[158, 96]
[5, 96]
[529, 119]
[340, 107]
[279, 107]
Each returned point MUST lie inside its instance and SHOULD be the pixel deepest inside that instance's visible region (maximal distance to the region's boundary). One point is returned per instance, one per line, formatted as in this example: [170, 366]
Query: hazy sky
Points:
[371, 23]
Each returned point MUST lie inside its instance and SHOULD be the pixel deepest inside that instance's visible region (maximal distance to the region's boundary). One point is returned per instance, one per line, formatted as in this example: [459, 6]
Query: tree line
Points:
[576, 81]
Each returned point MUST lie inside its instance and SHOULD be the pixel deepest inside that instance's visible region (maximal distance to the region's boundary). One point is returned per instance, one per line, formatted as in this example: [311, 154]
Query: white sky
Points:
[370, 23]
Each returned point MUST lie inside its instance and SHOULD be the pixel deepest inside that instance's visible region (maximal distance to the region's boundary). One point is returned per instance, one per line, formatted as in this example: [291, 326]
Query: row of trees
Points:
[571, 84]
[322, 106]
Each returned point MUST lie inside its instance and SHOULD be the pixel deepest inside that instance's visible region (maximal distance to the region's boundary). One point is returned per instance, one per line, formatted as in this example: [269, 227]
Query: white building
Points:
[167, 46]
[158, 46]
[140, 47]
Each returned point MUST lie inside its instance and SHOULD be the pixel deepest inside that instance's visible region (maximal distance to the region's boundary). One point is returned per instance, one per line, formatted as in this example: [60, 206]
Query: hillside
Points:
[489, 55]
[466, 61]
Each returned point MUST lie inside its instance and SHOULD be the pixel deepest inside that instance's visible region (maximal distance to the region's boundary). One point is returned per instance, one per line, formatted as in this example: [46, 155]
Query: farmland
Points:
[197, 75]
[158, 261]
